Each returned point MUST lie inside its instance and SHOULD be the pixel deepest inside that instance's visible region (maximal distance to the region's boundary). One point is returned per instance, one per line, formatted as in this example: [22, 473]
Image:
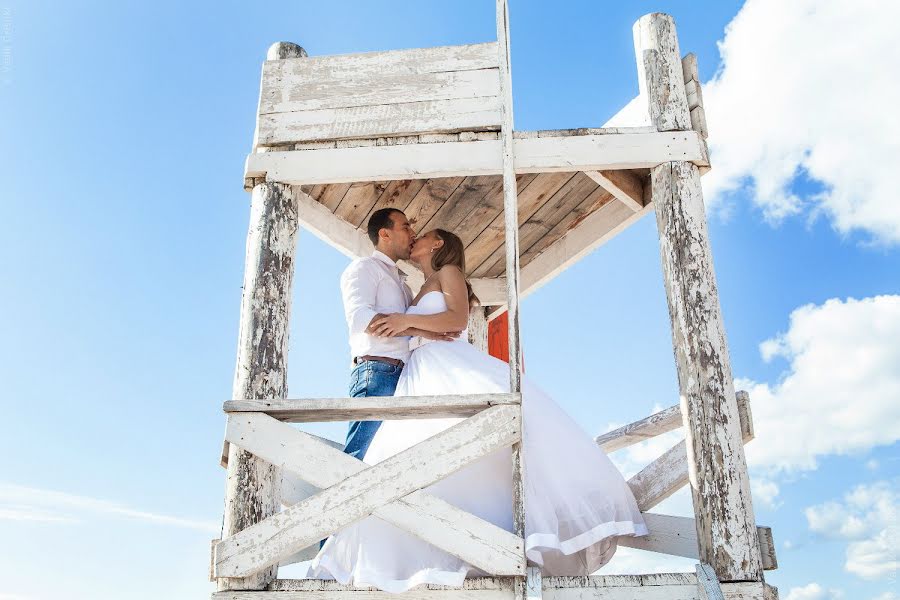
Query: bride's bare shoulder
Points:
[450, 272]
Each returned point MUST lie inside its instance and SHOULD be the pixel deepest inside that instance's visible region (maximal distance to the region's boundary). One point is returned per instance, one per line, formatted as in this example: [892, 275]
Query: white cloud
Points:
[22, 503]
[797, 94]
[839, 392]
[812, 591]
[868, 518]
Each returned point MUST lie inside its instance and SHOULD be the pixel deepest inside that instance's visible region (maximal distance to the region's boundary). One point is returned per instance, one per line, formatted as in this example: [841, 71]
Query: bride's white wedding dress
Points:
[576, 501]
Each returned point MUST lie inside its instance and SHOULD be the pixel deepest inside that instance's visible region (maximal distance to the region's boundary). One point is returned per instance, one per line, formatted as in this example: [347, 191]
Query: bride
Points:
[576, 502]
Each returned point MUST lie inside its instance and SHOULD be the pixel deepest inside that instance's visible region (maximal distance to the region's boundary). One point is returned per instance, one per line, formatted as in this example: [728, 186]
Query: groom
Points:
[372, 287]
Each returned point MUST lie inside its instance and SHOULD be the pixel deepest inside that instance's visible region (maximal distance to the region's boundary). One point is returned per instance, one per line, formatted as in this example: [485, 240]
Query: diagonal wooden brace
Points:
[363, 493]
[478, 542]
[669, 473]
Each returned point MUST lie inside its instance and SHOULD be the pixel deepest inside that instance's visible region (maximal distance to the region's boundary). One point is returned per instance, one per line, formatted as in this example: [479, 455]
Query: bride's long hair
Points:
[452, 253]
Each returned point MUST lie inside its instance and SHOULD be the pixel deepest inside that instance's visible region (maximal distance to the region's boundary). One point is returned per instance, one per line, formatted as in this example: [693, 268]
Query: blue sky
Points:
[123, 131]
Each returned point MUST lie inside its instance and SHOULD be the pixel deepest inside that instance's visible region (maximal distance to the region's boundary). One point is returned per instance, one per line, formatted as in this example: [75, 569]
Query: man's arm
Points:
[359, 285]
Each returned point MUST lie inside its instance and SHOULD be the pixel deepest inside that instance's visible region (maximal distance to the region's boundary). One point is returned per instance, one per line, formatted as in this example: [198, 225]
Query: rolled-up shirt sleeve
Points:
[359, 285]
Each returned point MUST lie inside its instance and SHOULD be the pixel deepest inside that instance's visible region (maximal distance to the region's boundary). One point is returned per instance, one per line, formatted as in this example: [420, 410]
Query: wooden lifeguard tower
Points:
[430, 131]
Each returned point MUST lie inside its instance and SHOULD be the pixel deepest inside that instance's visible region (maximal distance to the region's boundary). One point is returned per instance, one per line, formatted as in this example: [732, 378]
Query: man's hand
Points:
[390, 325]
[447, 336]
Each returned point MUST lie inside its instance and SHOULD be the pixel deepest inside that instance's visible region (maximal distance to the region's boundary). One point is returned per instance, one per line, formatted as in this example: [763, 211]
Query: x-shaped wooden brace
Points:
[388, 490]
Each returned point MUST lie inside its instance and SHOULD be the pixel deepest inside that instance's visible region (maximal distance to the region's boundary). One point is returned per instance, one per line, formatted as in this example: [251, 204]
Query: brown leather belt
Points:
[383, 359]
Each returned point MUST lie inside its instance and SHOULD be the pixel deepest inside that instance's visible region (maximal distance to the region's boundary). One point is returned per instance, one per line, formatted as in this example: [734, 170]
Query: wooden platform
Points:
[657, 586]
[577, 189]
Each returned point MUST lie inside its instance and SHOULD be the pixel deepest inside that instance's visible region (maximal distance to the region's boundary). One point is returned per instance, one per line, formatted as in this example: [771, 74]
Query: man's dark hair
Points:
[380, 219]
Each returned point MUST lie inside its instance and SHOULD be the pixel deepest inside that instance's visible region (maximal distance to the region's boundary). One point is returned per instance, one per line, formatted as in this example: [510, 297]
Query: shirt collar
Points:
[378, 254]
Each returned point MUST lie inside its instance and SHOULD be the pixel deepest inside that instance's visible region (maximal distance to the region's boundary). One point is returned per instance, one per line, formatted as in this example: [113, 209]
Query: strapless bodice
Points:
[431, 303]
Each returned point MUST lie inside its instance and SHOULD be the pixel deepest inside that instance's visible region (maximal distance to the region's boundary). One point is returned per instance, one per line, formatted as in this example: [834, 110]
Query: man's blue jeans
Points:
[369, 378]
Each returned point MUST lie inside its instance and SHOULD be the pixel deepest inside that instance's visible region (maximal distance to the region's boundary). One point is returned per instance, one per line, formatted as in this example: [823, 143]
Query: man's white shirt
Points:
[370, 286]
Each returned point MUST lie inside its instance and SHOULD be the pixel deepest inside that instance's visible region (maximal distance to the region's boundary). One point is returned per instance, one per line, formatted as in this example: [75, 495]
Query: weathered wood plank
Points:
[596, 221]
[480, 157]
[677, 536]
[545, 219]
[694, 94]
[430, 199]
[531, 197]
[669, 473]
[251, 487]
[410, 61]
[720, 488]
[657, 586]
[314, 410]
[472, 539]
[486, 211]
[478, 328]
[511, 242]
[333, 194]
[698, 121]
[689, 67]
[665, 421]
[624, 185]
[286, 90]
[398, 194]
[358, 201]
[465, 199]
[660, 72]
[360, 495]
[708, 584]
[656, 424]
[435, 116]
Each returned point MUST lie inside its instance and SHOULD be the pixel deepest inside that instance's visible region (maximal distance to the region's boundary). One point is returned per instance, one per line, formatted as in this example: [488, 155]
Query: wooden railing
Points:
[341, 490]
[391, 490]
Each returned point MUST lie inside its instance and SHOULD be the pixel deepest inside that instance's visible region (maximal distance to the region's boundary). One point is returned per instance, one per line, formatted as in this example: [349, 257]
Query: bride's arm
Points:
[455, 318]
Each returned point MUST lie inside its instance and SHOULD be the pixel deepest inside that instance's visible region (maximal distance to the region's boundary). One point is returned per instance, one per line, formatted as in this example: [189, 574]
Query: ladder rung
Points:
[312, 410]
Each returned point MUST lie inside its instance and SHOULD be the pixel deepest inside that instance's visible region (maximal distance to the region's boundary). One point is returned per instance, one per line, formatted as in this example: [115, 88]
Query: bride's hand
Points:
[390, 325]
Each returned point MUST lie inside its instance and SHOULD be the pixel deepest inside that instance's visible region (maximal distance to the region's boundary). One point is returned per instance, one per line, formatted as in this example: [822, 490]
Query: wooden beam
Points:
[478, 328]
[708, 584]
[252, 486]
[480, 157]
[318, 410]
[282, 534]
[720, 485]
[599, 227]
[654, 586]
[451, 529]
[669, 473]
[511, 243]
[665, 421]
[624, 185]
[656, 424]
[677, 536]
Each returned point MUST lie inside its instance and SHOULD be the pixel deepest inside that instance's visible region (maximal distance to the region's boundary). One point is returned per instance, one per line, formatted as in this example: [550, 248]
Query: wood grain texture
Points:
[718, 470]
[677, 536]
[252, 486]
[358, 496]
[642, 430]
[721, 486]
[669, 473]
[434, 116]
[707, 583]
[532, 195]
[470, 538]
[478, 157]
[624, 185]
[316, 410]
[478, 328]
[655, 586]
[660, 72]
[286, 89]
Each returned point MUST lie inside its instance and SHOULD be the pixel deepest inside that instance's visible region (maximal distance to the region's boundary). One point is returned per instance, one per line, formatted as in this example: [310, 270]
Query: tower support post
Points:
[253, 486]
[720, 486]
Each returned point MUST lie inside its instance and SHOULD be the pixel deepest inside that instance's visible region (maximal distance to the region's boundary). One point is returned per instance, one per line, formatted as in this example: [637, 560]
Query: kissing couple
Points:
[577, 502]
